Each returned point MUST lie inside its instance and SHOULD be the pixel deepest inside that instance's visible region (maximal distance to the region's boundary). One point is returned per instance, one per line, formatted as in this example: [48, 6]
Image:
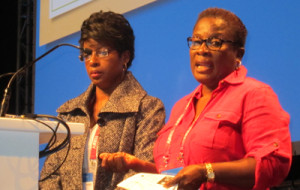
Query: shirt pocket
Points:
[218, 129]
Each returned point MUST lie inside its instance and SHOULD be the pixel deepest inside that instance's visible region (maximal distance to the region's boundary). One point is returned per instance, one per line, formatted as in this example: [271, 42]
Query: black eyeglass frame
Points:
[209, 40]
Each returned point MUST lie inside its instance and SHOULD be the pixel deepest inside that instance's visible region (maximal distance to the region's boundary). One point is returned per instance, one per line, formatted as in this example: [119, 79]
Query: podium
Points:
[19, 150]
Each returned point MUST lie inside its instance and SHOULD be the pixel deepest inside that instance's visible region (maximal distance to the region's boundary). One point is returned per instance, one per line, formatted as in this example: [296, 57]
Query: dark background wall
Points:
[8, 41]
[17, 49]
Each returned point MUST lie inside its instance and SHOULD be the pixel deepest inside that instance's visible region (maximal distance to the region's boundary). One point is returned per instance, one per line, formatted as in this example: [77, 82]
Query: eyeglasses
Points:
[213, 43]
[86, 53]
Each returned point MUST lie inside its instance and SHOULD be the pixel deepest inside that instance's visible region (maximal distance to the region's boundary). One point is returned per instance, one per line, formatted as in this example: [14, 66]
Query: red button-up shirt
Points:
[242, 119]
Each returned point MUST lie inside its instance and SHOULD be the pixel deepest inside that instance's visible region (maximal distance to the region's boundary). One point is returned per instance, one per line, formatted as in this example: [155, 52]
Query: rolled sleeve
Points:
[267, 137]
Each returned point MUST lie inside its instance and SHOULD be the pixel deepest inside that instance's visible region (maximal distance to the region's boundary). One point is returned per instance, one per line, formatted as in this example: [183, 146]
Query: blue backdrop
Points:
[162, 59]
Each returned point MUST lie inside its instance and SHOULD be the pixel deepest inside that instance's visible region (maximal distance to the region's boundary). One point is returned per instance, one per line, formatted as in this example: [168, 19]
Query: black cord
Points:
[52, 137]
[48, 149]
[64, 143]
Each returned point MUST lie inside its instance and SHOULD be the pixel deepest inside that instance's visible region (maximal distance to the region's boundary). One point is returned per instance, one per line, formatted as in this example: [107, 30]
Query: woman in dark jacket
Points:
[118, 113]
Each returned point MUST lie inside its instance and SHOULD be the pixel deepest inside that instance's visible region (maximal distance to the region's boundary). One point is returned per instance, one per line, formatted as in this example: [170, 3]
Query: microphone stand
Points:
[7, 91]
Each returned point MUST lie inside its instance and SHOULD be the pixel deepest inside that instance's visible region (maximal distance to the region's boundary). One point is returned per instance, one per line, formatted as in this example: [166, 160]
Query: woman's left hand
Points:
[189, 178]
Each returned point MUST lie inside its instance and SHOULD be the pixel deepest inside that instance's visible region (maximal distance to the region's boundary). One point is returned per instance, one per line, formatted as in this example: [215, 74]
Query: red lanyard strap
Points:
[169, 140]
[93, 153]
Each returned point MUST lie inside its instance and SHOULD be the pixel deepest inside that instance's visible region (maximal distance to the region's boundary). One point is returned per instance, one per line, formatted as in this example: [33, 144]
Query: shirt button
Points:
[219, 115]
[275, 144]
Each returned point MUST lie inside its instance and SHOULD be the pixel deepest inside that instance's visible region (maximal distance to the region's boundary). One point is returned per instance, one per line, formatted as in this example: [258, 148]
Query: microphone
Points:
[7, 91]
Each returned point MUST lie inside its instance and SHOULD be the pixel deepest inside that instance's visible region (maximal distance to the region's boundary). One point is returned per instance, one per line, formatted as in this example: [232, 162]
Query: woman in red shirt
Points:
[230, 132]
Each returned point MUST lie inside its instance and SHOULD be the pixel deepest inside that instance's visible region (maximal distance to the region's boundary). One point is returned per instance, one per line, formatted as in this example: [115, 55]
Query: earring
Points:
[238, 65]
[125, 67]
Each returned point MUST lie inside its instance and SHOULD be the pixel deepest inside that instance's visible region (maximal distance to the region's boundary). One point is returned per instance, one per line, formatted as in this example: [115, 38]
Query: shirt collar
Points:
[236, 77]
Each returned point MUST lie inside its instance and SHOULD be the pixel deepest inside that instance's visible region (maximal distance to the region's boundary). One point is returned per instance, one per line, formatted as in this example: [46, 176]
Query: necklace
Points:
[180, 157]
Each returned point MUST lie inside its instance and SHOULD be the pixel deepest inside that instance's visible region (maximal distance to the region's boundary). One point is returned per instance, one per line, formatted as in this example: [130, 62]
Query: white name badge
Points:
[87, 181]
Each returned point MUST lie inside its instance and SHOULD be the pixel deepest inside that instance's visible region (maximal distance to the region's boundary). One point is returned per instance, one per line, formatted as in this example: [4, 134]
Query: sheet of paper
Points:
[146, 181]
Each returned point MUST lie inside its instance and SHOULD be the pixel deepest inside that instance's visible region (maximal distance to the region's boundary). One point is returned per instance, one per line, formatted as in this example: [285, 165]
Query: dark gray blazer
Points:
[129, 123]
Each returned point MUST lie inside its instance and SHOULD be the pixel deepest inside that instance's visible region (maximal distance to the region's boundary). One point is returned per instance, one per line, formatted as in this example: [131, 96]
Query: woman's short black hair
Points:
[234, 22]
[109, 28]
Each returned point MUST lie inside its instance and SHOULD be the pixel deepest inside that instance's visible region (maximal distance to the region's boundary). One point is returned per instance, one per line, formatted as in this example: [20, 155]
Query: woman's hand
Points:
[122, 162]
[189, 178]
[118, 162]
[238, 173]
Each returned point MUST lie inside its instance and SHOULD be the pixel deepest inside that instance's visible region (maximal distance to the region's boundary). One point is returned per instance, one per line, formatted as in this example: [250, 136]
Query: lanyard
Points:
[93, 153]
[169, 140]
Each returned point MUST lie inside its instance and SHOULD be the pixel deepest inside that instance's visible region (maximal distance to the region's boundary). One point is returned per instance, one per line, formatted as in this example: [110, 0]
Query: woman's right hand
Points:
[189, 178]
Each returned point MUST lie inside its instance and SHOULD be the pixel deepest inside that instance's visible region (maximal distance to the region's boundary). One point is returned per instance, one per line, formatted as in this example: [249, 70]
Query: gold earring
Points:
[238, 65]
[125, 67]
